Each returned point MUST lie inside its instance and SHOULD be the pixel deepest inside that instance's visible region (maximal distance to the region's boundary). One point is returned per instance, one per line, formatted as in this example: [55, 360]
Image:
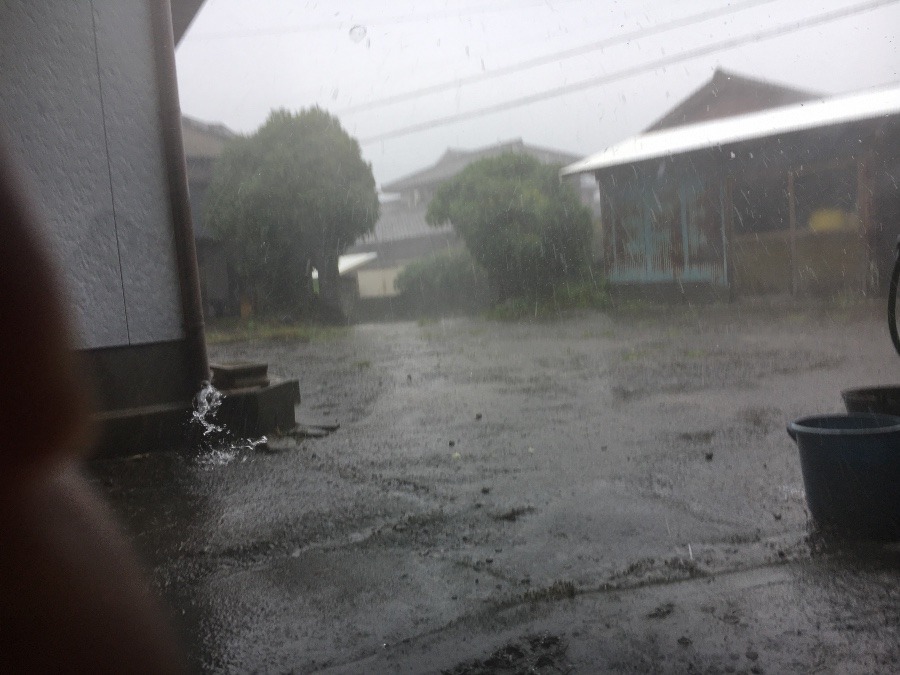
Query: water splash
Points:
[207, 402]
[217, 457]
[252, 443]
[218, 446]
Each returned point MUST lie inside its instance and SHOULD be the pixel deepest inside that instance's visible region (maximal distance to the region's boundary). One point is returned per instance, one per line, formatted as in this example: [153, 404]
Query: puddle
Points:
[545, 653]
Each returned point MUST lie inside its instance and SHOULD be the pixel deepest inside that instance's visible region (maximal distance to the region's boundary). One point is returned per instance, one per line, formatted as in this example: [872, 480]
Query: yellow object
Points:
[829, 220]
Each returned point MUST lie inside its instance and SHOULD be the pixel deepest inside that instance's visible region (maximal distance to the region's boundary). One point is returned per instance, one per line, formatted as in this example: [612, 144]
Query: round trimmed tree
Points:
[525, 226]
[289, 198]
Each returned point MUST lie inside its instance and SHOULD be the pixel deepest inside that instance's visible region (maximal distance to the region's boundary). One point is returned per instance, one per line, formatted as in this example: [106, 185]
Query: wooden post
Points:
[683, 233]
[866, 226]
[728, 235]
[792, 208]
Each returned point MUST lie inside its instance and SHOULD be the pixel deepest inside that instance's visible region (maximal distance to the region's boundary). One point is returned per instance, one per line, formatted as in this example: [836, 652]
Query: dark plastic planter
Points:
[884, 400]
[851, 472]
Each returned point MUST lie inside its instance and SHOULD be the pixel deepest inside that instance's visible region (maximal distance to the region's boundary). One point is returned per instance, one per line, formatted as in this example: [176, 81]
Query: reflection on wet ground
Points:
[620, 488]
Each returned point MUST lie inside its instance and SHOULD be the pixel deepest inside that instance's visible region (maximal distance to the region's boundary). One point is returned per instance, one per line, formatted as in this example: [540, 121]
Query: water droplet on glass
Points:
[358, 33]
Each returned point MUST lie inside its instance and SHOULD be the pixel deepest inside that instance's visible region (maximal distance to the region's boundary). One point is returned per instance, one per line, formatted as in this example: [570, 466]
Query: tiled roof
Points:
[454, 160]
[397, 223]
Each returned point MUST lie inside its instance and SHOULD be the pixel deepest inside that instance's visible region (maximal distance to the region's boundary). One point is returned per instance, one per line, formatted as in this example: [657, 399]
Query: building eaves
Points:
[183, 13]
[720, 133]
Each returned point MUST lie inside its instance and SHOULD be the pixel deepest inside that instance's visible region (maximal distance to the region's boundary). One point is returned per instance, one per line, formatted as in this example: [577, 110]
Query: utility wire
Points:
[338, 24]
[628, 72]
[556, 56]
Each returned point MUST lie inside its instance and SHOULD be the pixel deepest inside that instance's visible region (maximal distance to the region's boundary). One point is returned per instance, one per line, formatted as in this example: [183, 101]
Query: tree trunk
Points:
[306, 296]
[330, 288]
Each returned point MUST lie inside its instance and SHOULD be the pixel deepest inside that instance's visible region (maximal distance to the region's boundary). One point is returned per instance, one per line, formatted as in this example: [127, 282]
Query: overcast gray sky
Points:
[241, 59]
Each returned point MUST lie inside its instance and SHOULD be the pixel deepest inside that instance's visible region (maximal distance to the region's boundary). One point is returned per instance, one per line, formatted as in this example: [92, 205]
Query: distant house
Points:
[401, 234]
[203, 143]
[799, 198]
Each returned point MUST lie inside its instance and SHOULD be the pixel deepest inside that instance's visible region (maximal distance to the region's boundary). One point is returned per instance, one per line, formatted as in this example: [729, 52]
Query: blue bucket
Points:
[851, 472]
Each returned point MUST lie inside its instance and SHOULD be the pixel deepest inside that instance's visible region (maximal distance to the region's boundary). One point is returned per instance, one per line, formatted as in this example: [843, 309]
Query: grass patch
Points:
[632, 355]
[605, 334]
[558, 590]
[226, 331]
[637, 306]
[563, 298]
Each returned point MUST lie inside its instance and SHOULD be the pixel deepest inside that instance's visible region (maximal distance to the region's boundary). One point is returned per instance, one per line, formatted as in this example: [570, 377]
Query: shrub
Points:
[449, 282]
[564, 296]
[524, 225]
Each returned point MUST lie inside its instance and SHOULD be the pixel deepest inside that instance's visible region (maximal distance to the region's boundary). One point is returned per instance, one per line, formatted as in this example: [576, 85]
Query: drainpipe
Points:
[176, 174]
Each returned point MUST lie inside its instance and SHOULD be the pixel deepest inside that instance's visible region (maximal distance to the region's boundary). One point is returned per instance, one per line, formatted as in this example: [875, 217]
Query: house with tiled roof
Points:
[402, 235]
[419, 187]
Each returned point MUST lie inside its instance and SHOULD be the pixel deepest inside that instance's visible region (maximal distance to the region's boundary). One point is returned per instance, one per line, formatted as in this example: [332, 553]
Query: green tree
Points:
[524, 225]
[449, 281]
[289, 198]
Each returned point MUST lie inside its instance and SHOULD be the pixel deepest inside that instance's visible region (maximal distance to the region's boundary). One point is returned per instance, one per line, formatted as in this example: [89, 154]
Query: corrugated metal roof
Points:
[799, 117]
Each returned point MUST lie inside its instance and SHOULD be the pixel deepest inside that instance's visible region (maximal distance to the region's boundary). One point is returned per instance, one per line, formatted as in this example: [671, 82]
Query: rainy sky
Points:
[410, 78]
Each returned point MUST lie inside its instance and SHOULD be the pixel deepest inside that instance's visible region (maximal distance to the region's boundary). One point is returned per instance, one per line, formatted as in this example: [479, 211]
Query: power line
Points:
[628, 72]
[332, 25]
[552, 58]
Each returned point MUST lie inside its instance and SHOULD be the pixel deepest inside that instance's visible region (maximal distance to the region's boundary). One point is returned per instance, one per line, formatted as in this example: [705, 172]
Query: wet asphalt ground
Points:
[603, 492]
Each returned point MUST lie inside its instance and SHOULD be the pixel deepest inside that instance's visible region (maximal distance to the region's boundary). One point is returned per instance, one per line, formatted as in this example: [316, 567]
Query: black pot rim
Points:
[890, 424]
[879, 389]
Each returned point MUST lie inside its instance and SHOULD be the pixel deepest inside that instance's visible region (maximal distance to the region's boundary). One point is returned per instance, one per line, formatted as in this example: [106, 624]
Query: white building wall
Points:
[79, 113]
[378, 283]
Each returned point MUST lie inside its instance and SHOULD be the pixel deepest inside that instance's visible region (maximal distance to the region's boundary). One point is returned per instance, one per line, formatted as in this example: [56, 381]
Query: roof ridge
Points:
[457, 154]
